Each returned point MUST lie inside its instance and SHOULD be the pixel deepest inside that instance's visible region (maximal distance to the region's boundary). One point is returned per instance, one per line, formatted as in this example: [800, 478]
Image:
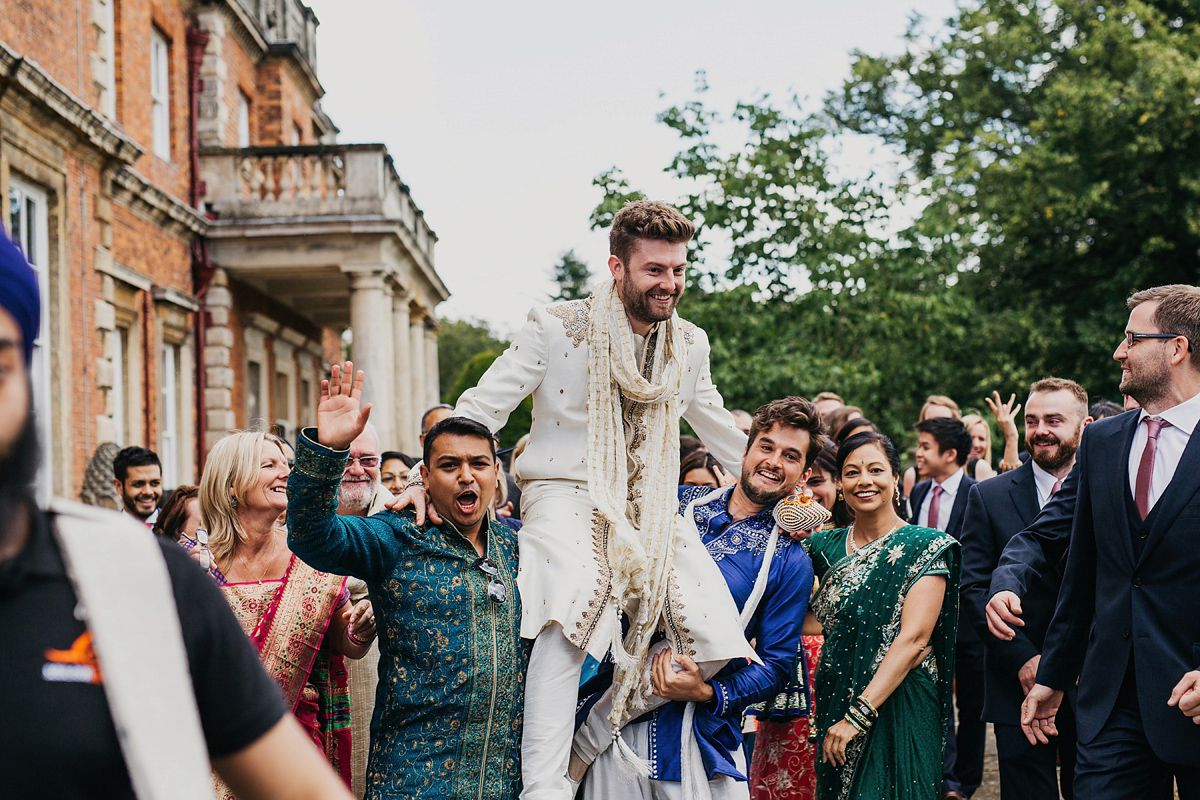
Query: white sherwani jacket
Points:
[565, 575]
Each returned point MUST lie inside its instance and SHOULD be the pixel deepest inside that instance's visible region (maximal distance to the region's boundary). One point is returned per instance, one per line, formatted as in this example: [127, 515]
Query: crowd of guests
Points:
[786, 567]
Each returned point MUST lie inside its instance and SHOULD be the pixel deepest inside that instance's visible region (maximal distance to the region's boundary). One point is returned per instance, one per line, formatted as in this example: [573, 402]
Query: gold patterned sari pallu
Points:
[289, 636]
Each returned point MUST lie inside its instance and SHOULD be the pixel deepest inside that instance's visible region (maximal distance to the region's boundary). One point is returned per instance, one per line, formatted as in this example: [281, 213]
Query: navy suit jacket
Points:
[997, 510]
[1115, 605]
[953, 527]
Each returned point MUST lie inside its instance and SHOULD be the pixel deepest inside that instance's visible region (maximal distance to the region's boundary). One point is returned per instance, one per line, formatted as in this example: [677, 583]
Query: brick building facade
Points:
[203, 242]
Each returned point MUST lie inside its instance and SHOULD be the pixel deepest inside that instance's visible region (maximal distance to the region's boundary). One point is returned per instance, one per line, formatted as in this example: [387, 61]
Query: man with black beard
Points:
[998, 509]
[57, 734]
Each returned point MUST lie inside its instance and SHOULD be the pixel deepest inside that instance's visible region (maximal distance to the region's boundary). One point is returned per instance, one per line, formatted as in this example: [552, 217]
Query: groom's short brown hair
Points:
[647, 219]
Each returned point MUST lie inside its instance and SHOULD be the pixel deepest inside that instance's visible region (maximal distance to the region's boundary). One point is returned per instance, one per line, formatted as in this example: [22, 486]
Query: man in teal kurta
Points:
[447, 721]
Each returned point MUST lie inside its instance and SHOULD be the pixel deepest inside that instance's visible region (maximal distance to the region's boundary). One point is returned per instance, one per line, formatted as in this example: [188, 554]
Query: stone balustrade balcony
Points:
[310, 182]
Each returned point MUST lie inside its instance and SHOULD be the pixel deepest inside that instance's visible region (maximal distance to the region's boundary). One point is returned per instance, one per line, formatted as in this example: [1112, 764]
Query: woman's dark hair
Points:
[853, 426]
[843, 515]
[688, 445]
[826, 460]
[865, 438]
[174, 512]
[698, 459]
[456, 426]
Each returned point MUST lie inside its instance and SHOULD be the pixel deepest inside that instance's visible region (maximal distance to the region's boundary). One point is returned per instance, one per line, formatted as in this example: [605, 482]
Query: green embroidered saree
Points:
[859, 605]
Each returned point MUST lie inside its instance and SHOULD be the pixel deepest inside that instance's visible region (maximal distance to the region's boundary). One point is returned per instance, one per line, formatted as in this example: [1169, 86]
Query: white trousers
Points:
[551, 691]
[606, 780]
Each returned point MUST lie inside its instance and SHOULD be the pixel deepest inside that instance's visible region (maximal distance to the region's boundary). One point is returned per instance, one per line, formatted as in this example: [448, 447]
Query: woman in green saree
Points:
[888, 607]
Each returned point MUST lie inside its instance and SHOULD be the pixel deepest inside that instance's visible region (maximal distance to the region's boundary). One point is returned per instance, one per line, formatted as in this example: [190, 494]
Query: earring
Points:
[840, 498]
[896, 496]
[233, 502]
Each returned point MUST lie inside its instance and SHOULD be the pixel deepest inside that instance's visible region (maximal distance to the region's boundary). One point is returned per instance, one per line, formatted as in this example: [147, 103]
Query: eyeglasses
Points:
[496, 589]
[366, 462]
[1132, 338]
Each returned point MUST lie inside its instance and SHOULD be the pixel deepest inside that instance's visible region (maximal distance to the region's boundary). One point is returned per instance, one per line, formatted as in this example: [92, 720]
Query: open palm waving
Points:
[339, 418]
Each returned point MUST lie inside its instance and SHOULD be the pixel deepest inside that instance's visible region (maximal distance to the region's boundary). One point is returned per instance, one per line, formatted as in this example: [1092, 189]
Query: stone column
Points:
[371, 321]
[431, 363]
[417, 391]
[406, 420]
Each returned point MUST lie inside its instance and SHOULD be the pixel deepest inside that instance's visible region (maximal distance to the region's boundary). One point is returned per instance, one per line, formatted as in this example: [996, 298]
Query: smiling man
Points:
[447, 719]
[735, 525]
[998, 509]
[610, 377]
[138, 479]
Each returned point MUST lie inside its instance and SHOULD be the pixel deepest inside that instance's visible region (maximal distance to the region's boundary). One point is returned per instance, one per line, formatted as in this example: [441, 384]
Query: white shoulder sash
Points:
[695, 780]
[122, 583]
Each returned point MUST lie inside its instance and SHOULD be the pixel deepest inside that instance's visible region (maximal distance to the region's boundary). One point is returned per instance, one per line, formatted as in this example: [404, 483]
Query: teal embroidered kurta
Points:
[447, 721]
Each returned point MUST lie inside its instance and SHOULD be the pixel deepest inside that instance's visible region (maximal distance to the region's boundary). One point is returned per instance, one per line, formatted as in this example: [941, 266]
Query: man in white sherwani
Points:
[610, 377]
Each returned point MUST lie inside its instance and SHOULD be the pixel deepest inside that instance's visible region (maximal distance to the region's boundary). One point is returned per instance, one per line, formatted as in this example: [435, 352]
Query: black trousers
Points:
[1028, 772]
[962, 769]
[1119, 764]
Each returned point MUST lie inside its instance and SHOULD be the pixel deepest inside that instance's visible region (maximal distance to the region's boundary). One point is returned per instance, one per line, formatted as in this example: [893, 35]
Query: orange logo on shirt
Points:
[75, 665]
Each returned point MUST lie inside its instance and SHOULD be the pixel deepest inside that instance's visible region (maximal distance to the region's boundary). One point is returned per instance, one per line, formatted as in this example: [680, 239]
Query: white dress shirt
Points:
[945, 502]
[1044, 482]
[1171, 442]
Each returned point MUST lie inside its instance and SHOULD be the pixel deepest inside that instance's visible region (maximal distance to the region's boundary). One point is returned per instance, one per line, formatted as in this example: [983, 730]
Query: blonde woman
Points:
[979, 463]
[301, 620]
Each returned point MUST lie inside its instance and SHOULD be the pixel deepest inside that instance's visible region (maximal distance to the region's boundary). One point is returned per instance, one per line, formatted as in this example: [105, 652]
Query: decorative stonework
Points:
[16, 71]
[218, 360]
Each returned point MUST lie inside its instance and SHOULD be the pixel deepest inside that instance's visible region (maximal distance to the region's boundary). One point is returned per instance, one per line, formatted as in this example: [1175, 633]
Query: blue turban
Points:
[19, 293]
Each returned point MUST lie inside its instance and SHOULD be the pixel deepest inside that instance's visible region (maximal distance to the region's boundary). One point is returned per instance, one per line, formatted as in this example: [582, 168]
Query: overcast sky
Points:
[498, 115]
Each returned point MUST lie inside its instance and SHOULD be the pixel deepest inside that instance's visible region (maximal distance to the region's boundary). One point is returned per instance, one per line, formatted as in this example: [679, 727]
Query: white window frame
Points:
[160, 95]
[243, 120]
[170, 437]
[32, 228]
[120, 345]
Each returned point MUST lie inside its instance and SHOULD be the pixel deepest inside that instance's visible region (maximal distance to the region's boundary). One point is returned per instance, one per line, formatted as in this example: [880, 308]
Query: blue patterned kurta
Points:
[738, 548]
[447, 720]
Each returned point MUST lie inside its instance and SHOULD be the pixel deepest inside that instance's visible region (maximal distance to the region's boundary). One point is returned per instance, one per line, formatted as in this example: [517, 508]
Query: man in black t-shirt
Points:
[57, 736]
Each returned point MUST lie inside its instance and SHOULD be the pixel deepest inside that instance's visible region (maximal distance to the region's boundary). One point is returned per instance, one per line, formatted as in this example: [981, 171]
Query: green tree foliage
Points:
[1049, 153]
[572, 277]
[521, 419]
[459, 341]
[797, 288]
[1056, 145]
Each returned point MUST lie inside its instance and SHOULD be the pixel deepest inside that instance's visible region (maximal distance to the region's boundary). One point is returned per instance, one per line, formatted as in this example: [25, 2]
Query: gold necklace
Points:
[854, 547]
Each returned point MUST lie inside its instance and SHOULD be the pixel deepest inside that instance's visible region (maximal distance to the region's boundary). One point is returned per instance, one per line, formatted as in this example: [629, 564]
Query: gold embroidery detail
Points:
[673, 615]
[688, 330]
[595, 610]
[574, 316]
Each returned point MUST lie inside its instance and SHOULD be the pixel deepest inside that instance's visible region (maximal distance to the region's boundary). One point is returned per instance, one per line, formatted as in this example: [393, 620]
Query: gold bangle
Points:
[1008, 466]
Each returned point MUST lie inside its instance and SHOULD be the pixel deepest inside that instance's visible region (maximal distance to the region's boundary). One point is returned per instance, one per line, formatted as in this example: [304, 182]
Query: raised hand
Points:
[1005, 413]
[339, 418]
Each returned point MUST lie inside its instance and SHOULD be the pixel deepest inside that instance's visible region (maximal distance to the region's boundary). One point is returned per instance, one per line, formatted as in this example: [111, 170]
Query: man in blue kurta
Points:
[447, 719]
[696, 737]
